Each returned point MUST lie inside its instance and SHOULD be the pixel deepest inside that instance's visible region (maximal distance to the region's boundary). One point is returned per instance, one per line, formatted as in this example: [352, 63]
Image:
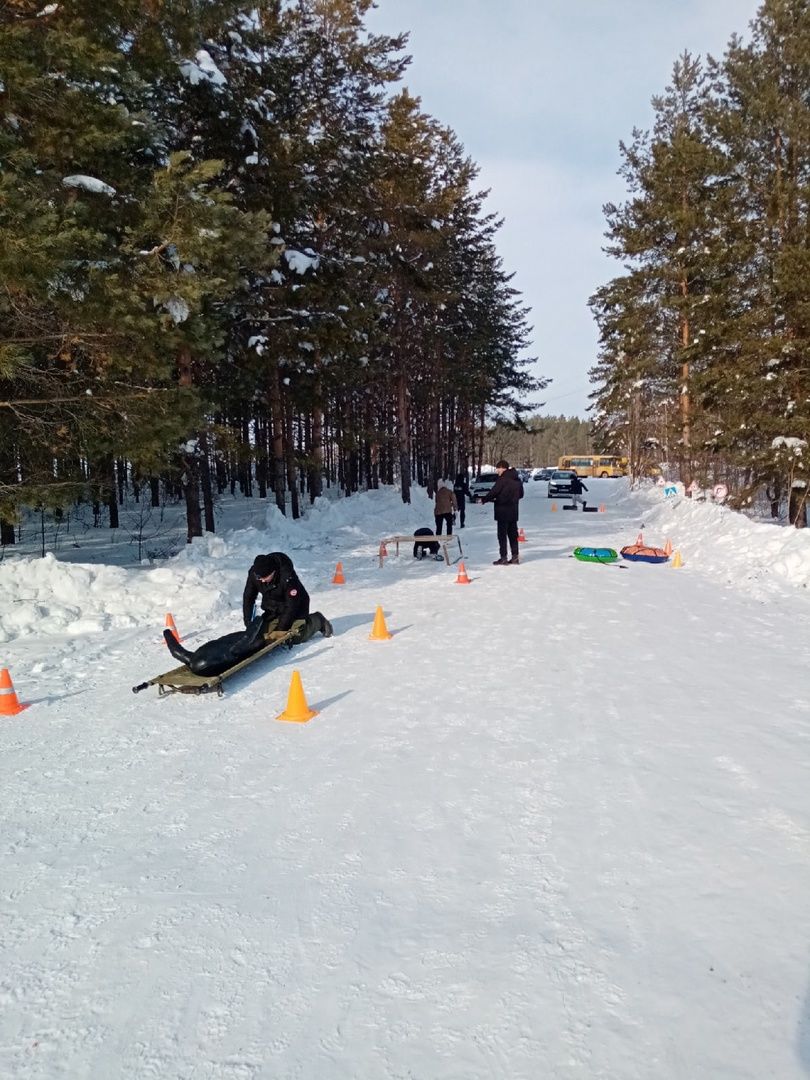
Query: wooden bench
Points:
[444, 541]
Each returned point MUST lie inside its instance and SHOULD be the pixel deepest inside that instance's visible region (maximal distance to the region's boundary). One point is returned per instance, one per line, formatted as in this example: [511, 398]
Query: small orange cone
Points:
[9, 702]
[297, 711]
[602, 508]
[639, 540]
[462, 578]
[521, 537]
[339, 579]
[170, 626]
[668, 547]
[677, 561]
[553, 506]
[379, 631]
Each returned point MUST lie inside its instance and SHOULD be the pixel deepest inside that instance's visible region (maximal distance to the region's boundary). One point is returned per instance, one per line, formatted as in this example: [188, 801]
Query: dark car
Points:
[542, 474]
[560, 482]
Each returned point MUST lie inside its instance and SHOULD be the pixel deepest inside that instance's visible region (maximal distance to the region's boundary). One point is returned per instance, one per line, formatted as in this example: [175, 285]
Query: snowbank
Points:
[44, 596]
[725, 544]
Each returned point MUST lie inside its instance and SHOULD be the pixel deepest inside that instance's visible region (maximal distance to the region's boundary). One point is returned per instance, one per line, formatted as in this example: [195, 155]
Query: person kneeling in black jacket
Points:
[420, 548]
[284, 608]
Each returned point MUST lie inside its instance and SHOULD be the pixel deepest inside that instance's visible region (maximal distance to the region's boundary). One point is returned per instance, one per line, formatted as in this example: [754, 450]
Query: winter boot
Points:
[175, 648]
[514, 561]
[501, 562]
[327, 629]
[439, 558]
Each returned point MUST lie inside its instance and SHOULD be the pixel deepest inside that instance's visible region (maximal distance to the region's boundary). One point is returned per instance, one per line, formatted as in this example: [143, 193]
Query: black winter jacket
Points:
[577, 487]
[284, 598]
[461, 487]
[506, 493]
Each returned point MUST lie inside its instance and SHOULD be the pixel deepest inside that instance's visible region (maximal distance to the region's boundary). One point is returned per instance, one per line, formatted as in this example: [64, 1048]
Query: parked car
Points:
[560, 482]
[542, 474]
[524, 475]
[482, 485]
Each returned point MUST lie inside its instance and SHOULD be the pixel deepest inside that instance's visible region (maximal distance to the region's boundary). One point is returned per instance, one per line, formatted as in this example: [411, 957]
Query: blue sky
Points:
[540, 92]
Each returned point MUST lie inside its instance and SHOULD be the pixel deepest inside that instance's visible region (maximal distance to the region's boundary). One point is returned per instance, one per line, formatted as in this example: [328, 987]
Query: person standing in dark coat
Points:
[506, 493]
[461, 490]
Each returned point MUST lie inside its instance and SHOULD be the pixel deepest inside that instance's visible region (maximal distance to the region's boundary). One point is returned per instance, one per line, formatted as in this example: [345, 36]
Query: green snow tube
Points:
[594, 554]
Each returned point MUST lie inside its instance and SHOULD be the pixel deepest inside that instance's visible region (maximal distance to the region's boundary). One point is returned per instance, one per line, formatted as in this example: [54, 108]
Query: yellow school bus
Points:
[594, 464]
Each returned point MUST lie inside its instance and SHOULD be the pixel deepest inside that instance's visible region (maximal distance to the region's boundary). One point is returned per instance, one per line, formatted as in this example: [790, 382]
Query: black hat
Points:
[264, 566]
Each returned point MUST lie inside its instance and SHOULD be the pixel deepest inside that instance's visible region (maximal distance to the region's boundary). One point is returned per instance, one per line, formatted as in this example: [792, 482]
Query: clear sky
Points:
[540, 92]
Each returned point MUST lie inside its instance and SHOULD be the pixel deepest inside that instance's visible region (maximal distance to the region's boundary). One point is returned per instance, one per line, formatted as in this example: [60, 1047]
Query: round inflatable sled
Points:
[643, 553]
[595, 554]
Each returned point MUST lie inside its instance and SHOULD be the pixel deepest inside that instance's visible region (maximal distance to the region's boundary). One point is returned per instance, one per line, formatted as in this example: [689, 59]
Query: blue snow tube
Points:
[642, 553]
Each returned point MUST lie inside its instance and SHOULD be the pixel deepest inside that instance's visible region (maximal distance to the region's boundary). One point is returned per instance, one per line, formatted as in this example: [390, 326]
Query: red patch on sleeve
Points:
[293, 592]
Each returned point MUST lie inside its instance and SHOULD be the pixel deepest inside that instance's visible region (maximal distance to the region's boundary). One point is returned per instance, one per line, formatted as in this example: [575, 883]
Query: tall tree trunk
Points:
[316, 454]
[277, 416]
[290, 462]
[191, 491]
[797, 508]
[403, 437]
[205, 483]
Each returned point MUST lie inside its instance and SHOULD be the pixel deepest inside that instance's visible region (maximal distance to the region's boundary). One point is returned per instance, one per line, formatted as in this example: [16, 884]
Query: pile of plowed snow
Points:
[45, 596]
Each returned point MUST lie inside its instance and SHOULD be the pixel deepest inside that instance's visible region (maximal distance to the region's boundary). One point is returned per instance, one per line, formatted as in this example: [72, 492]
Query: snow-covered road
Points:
[557, 827]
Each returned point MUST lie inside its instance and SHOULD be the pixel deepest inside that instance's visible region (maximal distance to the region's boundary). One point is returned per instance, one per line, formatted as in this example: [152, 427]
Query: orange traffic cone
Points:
[462, 578]
[297, 711]
[677, 561]
[602, 508]
[553, 506]
[639, 540]
[668, 547]
[379, 631]
[9, 702]
[170, 626]
[339, 579]
[521, 536]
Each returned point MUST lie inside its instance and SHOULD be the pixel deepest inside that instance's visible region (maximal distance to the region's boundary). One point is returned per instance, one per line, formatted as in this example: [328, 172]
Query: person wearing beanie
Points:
[284, 608]
[506, 493]
[445, 507]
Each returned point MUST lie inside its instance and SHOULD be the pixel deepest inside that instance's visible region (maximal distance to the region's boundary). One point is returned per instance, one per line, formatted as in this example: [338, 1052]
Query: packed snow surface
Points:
[558, 826]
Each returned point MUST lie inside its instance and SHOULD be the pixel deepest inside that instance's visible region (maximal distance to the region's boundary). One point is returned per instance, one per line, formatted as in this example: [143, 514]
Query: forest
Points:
[237, 255]
[704, 335]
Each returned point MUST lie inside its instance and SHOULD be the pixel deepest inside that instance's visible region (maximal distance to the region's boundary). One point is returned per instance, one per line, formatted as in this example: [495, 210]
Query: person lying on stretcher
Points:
[285, 609]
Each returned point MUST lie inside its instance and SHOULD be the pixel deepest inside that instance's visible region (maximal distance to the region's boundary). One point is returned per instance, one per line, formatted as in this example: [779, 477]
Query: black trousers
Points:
[461, 502]
[439, 518]
[508, 530]
[218, 655]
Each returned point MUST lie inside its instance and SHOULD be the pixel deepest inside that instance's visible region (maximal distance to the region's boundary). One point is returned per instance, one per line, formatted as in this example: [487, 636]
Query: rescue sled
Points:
[595, 554]
[181, 680]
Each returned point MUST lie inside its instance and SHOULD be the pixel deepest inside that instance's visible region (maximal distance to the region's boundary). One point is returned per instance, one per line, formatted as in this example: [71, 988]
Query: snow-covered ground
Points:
[558, 826]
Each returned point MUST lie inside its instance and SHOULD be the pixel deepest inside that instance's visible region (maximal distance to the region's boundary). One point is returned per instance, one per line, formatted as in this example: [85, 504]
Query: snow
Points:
[300, 262]
[88, 183]
[789, 442]
[202, 69]
[558, 826]
[177, 308]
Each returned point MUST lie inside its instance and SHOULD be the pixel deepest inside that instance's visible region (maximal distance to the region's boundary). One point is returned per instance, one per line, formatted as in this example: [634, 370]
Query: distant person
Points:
[506, 493]
[445, 507]
[577, 487]
[421, 549]
[461, 490]
[284, 608]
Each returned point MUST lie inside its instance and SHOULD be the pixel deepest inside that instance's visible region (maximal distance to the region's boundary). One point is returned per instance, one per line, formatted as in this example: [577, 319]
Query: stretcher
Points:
[181, 680]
